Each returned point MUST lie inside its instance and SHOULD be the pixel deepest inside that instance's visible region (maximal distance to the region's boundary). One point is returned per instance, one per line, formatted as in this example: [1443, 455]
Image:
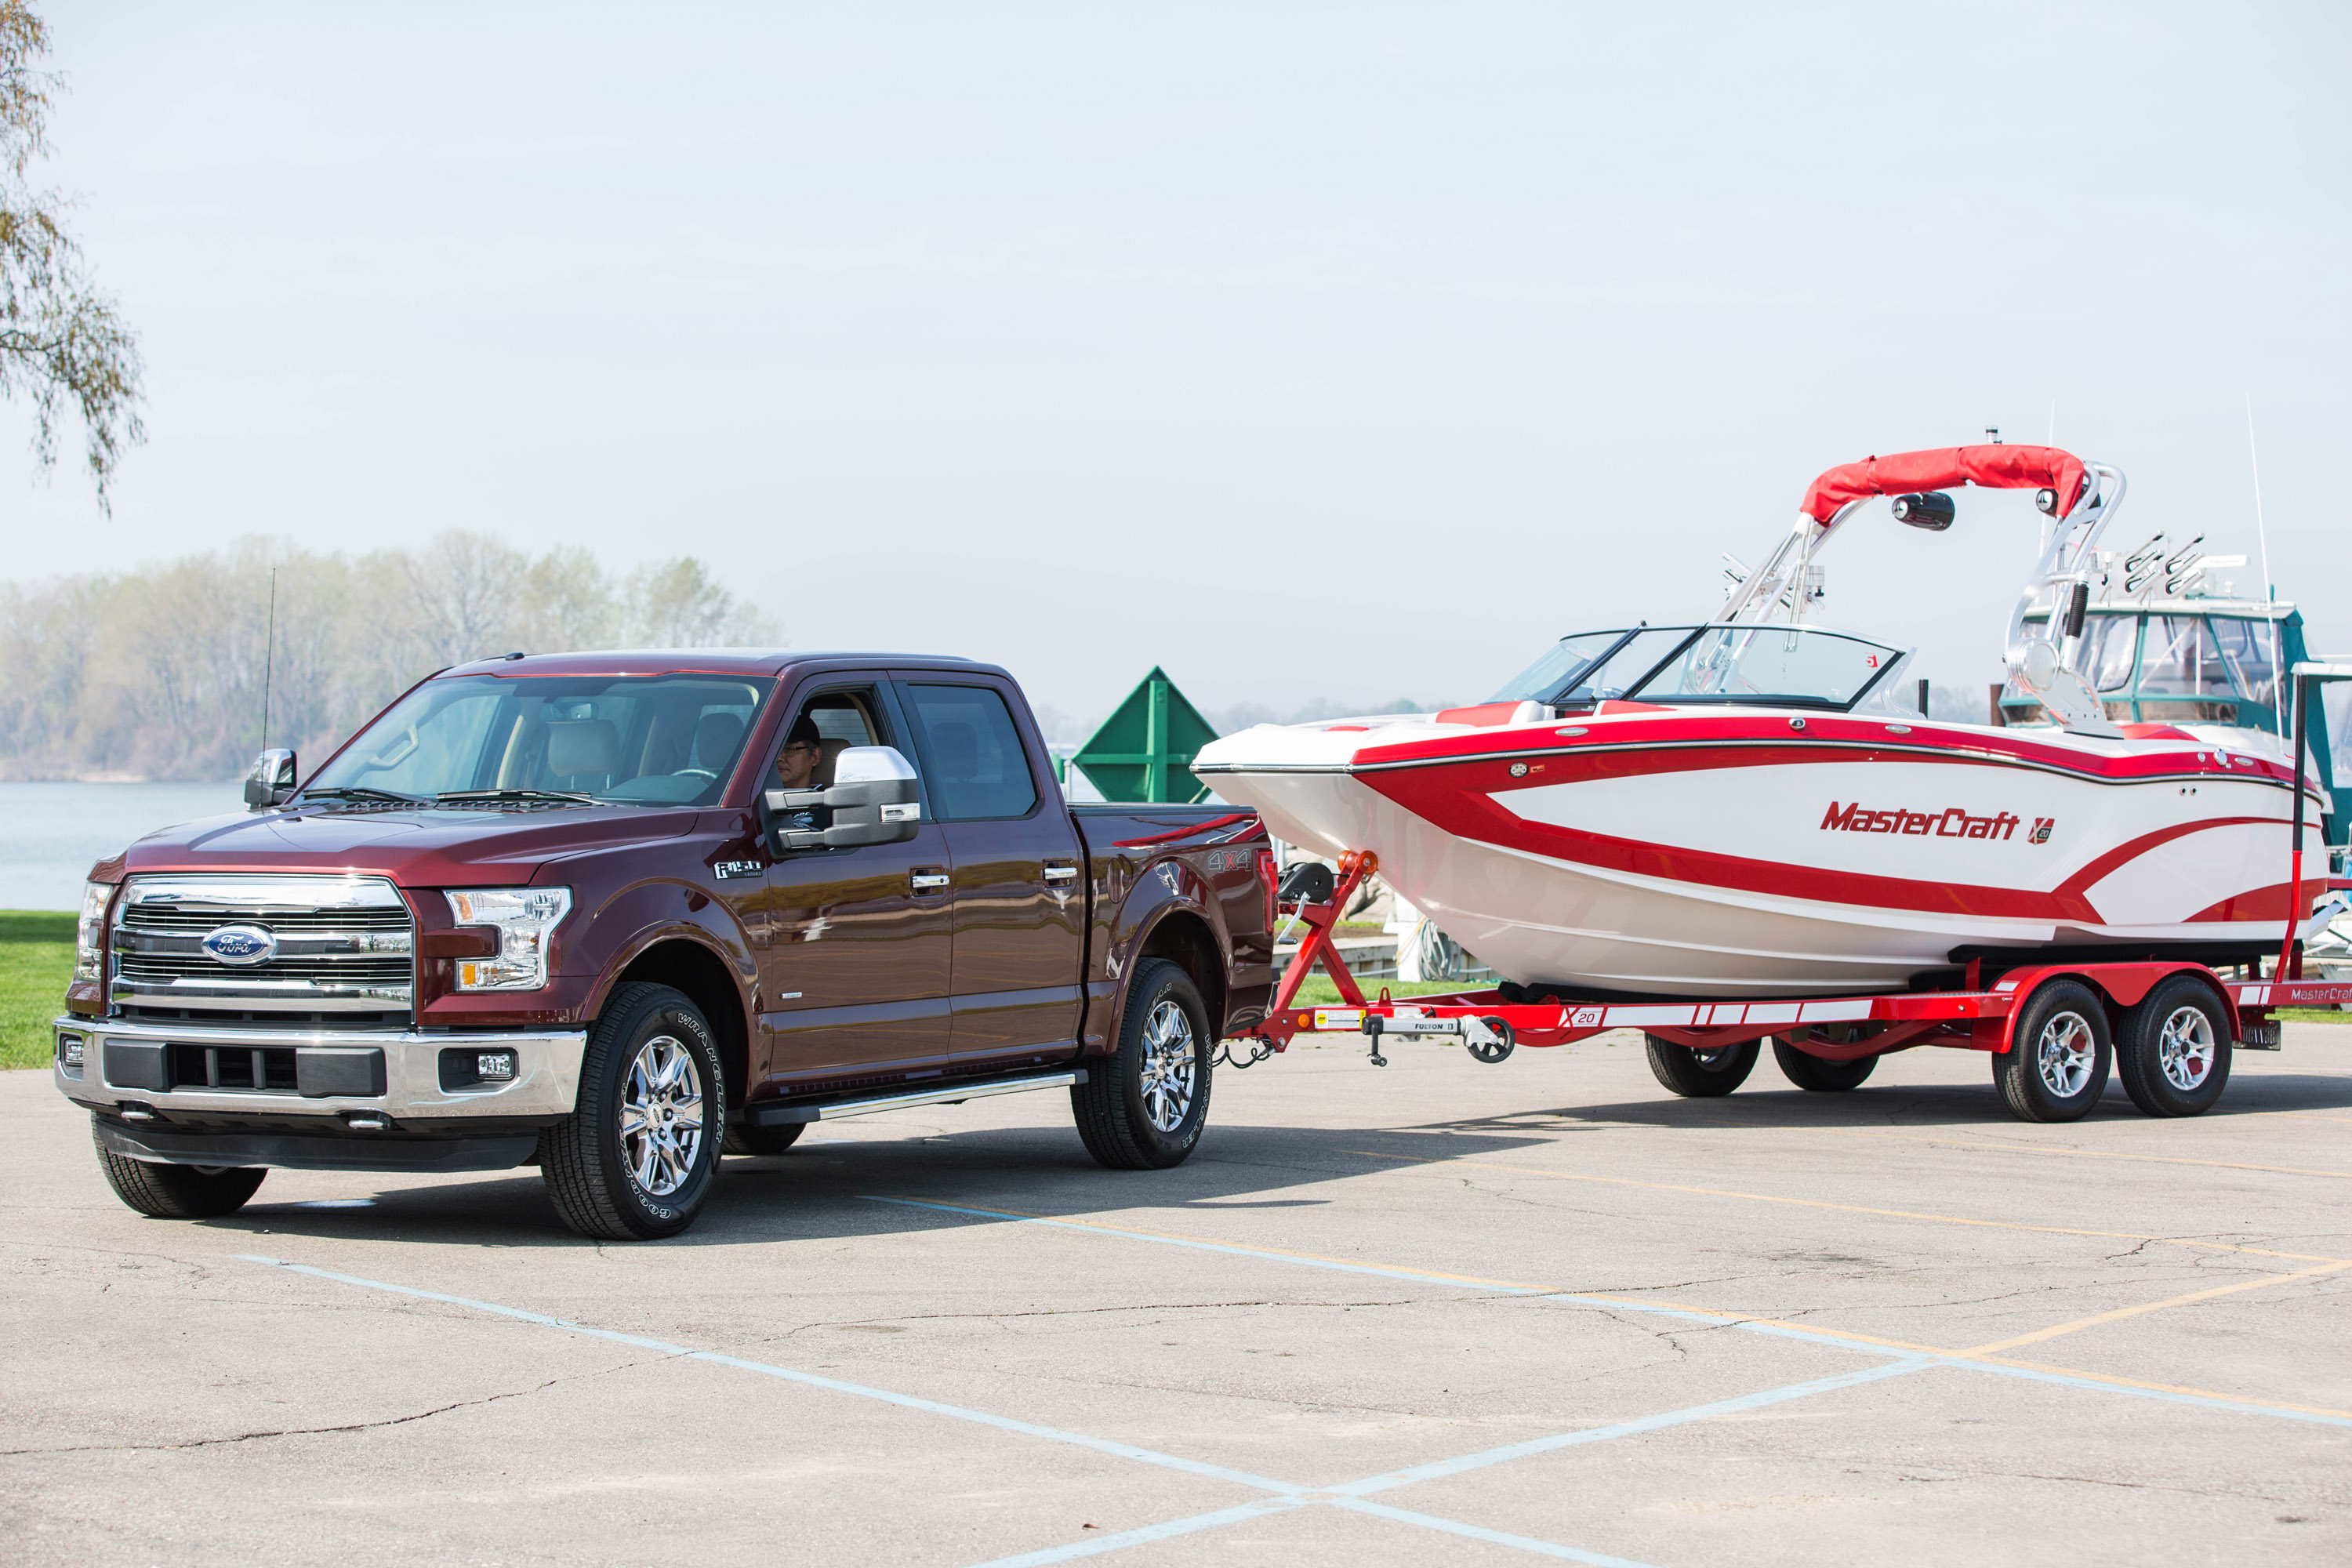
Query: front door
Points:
[854, 981]
[1020, 902]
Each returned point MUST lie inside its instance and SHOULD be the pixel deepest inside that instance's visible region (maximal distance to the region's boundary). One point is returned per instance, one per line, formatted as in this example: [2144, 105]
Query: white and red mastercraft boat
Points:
[1742, 806]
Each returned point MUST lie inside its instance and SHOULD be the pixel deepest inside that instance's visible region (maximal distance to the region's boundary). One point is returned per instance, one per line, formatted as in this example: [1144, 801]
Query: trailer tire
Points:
[176, 1192]
[1143, 1107]
[742, 1139]
[2174, 1052]
[1701, 1075]
[2059, 1055]
[1810, 1072]
[652, 1063]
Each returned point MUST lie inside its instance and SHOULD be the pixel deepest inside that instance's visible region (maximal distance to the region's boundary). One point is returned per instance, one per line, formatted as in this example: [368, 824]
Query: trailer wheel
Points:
[176, 1192]
[1144, 1108]
[2174, 1055]
[635, 1161]
[2057, 1063]
[1700, 1075]
[1821, 1076]
[742, 1139]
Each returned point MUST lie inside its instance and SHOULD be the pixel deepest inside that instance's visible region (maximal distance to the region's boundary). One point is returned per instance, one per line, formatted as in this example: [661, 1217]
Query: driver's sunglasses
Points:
[801, 746]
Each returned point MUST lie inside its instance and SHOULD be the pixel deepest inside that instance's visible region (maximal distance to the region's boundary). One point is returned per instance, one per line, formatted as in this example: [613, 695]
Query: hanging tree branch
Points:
[60, 338]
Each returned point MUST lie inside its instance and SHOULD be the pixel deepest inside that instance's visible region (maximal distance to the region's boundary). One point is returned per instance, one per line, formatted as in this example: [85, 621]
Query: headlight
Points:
[525, 918]
[89, 931]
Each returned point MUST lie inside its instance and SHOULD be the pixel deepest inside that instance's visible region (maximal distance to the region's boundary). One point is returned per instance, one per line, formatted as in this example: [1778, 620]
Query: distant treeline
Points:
[157, 673]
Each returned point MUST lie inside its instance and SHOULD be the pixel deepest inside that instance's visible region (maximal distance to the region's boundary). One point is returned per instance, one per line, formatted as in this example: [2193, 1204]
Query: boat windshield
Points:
[1767, 666]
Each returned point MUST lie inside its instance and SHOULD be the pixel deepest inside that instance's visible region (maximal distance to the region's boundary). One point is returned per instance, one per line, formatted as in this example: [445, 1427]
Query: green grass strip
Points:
[37, 955]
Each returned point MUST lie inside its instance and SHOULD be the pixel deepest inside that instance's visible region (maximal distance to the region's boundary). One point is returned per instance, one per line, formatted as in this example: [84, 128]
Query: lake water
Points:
[50, 834]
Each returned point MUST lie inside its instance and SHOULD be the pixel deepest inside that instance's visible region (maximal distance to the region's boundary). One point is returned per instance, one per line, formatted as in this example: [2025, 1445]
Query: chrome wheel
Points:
[2184, 1048]
[1170, 1062]
[661, 1116]
[2065, 1055]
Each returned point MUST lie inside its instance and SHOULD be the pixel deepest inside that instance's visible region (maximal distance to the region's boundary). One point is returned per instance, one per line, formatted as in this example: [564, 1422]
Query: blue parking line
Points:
[1147, 1535]
[1538, 1292]
[2168, 1396]
[909, 1401]
[1480, 1532]
[1285, 1495]
[1440, 1468]
[1904, 1359]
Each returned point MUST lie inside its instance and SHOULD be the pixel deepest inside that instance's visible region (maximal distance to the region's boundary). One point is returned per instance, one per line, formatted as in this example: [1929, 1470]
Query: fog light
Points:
[497, 1066]
[69, 1049]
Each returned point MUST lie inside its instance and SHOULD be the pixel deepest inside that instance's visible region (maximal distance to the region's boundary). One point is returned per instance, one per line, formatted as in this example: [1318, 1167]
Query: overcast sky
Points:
[1350, 351]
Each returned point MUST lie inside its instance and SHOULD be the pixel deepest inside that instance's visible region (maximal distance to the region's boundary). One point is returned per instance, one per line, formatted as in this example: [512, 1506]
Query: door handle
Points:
[1061, 873]
[928, 881]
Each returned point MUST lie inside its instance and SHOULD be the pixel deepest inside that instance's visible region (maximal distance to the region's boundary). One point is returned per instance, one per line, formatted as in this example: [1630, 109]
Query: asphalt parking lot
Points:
[1440, 1313]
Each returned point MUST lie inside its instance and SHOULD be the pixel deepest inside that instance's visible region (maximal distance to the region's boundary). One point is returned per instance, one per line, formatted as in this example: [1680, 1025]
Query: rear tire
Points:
[2174, 1055]
[2059, 1055]
[175, 1192]
[634, 1162]
[1812, 1073]
[759, 1140]
[1700, 1075]
[1144, 1108]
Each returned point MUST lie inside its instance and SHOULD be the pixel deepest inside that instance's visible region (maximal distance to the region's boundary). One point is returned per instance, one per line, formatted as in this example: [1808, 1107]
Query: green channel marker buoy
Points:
[1142, 749]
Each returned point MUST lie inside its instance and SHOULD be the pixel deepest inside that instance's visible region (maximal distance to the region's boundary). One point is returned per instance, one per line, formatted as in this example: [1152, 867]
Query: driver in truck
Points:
[796, 763]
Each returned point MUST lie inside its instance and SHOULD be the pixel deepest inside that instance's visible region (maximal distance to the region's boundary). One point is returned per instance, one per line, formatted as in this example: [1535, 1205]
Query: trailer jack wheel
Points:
[1497, 1043]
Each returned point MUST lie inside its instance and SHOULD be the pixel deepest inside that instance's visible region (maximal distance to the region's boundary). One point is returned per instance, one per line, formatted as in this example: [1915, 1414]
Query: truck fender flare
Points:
[732, 948]
[1165, 891]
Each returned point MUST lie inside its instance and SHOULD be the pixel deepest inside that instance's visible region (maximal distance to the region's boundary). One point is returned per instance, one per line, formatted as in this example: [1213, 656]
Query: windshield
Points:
[667, 740]
[1776, 665]
[1580, 670]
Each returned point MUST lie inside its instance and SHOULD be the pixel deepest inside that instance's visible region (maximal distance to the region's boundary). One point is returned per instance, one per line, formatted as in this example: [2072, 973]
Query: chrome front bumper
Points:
[397, 1074]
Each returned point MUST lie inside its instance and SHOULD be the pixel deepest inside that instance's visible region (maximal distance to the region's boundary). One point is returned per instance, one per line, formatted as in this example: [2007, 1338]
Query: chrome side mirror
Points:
[873, 799]
[272, 783]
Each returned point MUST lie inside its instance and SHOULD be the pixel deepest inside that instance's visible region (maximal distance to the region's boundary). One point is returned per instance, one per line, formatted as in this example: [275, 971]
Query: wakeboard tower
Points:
[1749, 806]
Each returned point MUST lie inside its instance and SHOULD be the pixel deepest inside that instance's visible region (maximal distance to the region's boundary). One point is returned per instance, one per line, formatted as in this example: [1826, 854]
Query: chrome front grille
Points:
[294, 947]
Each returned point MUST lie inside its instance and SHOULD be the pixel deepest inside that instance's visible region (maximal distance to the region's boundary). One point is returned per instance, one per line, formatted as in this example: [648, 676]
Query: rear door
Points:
[1020, 903]
[854, 979]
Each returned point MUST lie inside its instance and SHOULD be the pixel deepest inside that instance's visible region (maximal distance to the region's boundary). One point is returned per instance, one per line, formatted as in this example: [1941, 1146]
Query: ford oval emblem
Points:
[239, 945]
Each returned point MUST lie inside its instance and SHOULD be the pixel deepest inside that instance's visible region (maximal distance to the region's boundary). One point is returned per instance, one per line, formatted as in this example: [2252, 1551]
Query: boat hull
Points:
[1670, 854]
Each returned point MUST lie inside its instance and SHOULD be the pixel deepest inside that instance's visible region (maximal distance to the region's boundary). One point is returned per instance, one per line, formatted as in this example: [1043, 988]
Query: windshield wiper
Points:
[338, 791]
[569, 797]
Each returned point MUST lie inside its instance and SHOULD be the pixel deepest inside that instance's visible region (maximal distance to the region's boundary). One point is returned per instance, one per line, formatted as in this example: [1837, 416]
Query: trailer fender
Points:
[2121, 985]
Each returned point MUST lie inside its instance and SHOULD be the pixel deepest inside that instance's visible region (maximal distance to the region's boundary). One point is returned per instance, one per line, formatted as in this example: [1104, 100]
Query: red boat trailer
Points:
[1842, 1029]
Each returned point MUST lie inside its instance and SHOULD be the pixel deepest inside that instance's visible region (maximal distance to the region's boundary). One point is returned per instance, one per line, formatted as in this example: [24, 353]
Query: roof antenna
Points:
[269, 653]
[1992, 434]
[2270, 589]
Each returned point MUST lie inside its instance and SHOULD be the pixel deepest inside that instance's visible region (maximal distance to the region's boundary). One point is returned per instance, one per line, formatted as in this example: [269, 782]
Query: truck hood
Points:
[423, 848]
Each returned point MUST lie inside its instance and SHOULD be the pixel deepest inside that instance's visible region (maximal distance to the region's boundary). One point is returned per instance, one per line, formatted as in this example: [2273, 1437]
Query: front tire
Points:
[1700, 1075]
[1821, 1076]
[2059, 1055]
[1144, 1108]
[2174, 1055]
[635, 1161]
[175, 1192]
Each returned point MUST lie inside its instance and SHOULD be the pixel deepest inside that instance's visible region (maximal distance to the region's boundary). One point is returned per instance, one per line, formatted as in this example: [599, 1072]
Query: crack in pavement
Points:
[319, 1431]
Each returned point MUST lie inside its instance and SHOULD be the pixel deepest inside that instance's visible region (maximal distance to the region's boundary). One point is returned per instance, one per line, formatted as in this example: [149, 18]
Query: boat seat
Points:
[1487, 715]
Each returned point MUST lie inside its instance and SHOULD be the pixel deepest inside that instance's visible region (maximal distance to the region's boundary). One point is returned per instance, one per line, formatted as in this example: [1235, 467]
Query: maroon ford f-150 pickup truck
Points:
[613, 912]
